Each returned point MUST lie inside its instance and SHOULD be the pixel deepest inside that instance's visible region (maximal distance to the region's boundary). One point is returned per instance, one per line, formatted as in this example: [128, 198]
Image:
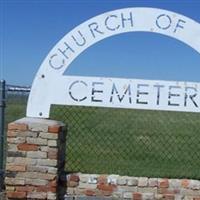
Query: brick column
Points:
[35, 158]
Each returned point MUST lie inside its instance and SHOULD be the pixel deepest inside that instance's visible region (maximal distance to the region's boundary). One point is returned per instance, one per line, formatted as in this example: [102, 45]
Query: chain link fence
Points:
[124, 141]
[16, 101]
[131, 142]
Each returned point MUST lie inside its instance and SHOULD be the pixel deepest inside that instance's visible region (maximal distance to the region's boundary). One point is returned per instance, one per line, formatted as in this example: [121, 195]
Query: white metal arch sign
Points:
[50, 86]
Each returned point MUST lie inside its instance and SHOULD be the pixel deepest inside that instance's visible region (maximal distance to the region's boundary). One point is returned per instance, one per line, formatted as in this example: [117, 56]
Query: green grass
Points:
[15, 108]
[14, 112]
[127, 142]
[131, 142]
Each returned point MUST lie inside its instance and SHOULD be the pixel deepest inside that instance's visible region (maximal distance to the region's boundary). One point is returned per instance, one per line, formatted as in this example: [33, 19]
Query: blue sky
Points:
[29, 29]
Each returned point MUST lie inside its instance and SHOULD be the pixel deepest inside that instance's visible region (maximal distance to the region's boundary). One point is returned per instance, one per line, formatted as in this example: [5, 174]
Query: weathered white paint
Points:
[128, 93]
[47, 85]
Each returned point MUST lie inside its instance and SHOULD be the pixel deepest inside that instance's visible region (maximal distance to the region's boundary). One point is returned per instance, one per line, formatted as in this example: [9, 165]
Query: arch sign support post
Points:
[52, 87]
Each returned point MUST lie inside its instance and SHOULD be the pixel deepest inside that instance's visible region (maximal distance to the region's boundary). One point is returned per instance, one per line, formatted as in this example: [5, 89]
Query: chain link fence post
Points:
[2, 119]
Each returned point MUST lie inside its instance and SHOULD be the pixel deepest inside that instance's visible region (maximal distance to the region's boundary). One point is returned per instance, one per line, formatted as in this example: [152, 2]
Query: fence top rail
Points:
[14, 88]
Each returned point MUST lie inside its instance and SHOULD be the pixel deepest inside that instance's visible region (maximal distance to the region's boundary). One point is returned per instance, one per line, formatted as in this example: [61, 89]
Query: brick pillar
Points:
[35, 158]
